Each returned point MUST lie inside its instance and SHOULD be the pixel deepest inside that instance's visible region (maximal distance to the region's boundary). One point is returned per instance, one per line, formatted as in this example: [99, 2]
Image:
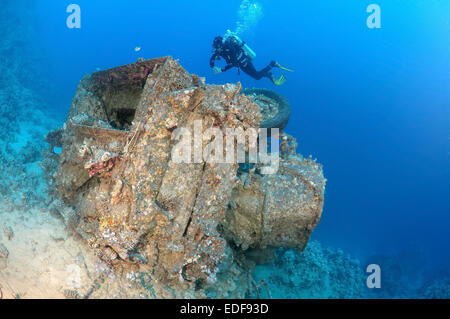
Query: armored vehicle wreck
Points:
[195, 228]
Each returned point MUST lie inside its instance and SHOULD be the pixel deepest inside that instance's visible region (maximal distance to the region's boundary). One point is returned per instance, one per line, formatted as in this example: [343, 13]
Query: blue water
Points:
[372, 105]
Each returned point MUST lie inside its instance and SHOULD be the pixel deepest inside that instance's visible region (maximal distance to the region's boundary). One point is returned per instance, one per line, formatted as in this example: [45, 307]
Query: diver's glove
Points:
[217, 70]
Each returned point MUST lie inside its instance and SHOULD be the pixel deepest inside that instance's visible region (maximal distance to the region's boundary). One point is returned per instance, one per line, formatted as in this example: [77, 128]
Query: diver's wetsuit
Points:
[234, 56]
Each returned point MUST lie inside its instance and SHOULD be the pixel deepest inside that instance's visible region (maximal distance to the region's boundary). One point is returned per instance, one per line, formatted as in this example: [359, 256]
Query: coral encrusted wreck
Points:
[195, 229]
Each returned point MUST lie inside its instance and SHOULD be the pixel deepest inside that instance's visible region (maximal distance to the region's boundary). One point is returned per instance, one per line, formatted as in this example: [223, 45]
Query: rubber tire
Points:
[284, 112]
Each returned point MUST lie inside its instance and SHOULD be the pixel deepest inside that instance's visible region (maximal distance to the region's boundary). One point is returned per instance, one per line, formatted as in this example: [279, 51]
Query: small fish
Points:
[137, 49]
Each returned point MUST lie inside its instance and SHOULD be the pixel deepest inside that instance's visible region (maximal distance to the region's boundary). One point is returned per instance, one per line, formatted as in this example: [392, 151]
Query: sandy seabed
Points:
[43, 260]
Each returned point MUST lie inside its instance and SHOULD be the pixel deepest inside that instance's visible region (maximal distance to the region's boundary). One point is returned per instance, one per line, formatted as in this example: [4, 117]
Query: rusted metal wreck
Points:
[196, 229]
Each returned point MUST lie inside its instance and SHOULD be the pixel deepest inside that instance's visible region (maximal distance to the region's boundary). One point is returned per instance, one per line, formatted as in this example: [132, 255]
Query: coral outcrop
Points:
[195, 229]
[24, 117]
[317, 272]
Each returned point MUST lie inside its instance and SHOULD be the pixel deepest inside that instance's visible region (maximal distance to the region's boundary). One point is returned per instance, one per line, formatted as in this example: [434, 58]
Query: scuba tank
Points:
[248, 51]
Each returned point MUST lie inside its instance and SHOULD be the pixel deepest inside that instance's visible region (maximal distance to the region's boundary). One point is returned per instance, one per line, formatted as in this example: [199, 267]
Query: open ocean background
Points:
[372, 105]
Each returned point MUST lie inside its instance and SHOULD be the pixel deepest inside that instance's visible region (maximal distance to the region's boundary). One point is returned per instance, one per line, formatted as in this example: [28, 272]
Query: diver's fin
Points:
[278, 65]
[280, 81]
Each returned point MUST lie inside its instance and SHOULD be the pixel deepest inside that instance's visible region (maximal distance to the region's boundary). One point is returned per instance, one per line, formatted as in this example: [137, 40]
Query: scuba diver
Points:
[237, 53]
